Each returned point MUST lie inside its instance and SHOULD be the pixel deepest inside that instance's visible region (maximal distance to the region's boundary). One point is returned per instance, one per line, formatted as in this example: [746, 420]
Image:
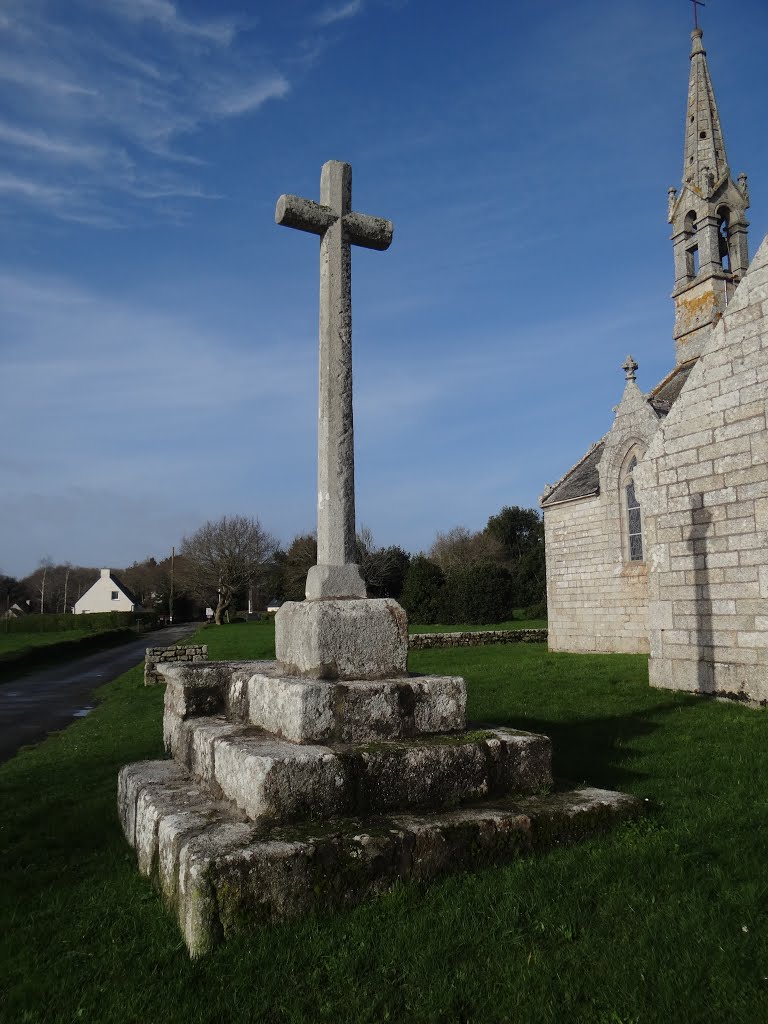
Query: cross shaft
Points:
[696, 5]
[336, 574]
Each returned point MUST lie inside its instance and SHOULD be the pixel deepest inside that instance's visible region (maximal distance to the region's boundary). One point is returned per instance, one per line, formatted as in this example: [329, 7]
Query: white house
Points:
[107, 594]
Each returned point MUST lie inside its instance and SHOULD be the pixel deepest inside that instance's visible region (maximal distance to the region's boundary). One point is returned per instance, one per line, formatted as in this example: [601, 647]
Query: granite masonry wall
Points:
[595, 601]
[164, 655]
[476, 638]
[705, 500]
[597, 598]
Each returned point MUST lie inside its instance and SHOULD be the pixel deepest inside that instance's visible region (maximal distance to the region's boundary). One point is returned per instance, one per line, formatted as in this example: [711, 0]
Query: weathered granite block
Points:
[226, 877]
[336, 639]
[271, 778]
[321, 711]
[313, 710]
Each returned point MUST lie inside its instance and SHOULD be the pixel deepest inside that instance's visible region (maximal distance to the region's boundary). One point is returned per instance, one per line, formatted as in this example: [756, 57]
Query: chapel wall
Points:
[595, 602]
[705, 487]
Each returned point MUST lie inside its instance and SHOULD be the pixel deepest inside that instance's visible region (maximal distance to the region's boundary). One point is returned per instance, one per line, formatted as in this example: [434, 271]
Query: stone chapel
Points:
[657, 539]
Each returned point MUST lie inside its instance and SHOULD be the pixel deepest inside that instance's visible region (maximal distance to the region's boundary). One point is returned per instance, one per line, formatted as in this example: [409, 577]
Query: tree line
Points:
[234, 563]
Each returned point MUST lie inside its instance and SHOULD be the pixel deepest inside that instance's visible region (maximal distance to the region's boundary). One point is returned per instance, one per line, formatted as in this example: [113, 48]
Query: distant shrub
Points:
[95, 622]
[535, 611]
[422, 595]
[478, 594]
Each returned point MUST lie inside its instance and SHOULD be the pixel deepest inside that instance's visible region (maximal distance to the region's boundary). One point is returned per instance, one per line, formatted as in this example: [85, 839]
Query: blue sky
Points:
[159, 338]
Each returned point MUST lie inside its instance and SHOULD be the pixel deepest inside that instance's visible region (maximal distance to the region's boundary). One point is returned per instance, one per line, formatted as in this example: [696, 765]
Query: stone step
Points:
[268, 777]
[225, 876]
[313, 710]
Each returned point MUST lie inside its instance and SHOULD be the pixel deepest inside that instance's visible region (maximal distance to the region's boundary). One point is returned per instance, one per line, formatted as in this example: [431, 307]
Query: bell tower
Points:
[708, 218]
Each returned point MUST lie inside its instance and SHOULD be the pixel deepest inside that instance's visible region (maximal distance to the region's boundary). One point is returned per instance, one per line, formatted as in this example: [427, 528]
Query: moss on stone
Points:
[449, 739]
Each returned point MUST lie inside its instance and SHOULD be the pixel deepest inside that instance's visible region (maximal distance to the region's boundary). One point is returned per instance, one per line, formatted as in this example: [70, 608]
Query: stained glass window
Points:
[635, 530]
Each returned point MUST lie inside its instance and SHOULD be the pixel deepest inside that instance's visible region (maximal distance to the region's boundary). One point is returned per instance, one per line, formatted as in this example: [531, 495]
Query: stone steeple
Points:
[708, 218]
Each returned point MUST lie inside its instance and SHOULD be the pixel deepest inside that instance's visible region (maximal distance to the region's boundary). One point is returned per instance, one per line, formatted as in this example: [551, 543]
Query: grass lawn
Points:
[21, 653]
[662, 921]
[13, 642]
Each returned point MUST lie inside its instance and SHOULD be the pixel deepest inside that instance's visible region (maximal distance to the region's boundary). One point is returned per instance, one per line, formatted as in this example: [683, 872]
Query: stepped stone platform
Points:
[324, 777]
[287, 795]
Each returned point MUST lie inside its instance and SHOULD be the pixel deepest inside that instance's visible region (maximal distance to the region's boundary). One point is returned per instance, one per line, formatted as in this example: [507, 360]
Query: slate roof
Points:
[582, 480]
[664, 395]
[128, 593]
[579, 481]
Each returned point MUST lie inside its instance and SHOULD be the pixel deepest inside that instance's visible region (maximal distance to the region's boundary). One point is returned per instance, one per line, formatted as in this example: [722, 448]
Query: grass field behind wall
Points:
[662, 921]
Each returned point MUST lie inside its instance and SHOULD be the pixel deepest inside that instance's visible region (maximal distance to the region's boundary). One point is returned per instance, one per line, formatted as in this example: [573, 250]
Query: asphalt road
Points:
[44, 701]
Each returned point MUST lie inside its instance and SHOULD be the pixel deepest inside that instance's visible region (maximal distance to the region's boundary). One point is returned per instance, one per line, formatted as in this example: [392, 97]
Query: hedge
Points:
[93, 622]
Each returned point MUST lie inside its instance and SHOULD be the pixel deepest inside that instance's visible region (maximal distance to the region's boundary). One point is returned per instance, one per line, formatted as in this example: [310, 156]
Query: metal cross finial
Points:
[696, 5]
[629, 368]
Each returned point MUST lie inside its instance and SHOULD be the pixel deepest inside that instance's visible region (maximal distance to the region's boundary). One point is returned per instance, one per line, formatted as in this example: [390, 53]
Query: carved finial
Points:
[629, 368]
[671, 200]
[743, 186]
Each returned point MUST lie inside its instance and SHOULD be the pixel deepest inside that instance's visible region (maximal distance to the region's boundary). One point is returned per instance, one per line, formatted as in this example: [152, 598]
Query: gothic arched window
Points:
[633, 527]
[724, 224]
[691, 245]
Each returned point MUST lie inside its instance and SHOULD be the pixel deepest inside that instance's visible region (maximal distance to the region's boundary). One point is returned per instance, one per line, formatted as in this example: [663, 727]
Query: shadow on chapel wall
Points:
[699, 538]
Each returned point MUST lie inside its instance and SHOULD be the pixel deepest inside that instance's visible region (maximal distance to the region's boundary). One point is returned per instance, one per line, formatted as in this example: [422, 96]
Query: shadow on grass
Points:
[599, 751]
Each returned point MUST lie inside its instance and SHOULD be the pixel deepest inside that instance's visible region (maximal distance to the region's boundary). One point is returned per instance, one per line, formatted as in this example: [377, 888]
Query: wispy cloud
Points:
[40, 78]
[11, 184]
[91, 115]
[46, 145]
[331, 14]
[56, 330]
[245, 98]
[166, 15]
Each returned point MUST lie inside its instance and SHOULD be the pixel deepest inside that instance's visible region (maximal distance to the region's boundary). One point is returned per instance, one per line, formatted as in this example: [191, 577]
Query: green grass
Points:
[663, 921]
[21, 653]
[13, 642]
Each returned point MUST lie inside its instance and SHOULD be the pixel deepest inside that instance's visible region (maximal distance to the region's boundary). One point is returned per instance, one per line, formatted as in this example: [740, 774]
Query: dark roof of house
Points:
[582, 480]
[126, 590]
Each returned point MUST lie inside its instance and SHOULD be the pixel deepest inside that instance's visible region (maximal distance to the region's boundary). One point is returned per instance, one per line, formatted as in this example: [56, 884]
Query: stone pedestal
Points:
[342, 639]
[287, 795]
[258, 693]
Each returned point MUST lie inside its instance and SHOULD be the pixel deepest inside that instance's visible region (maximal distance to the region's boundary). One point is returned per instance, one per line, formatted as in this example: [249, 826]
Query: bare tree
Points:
[57, 587]
[225, 557]
[460, 549]
[46, 564]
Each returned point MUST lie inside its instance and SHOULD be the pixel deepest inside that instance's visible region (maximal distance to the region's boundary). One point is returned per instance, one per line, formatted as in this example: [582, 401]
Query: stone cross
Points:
[336, 574]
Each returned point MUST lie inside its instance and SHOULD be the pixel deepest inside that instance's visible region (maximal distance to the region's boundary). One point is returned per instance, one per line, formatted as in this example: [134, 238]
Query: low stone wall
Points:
[476, 638]
[164, 655]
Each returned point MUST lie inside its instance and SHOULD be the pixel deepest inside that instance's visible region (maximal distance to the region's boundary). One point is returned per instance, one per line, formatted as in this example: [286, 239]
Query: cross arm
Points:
[304, 214]
[369, 232]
